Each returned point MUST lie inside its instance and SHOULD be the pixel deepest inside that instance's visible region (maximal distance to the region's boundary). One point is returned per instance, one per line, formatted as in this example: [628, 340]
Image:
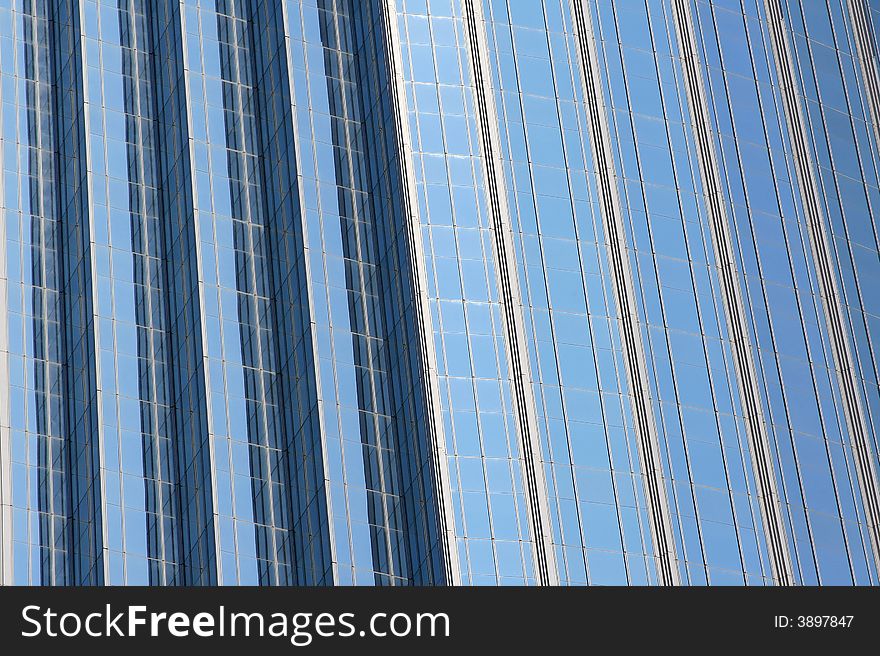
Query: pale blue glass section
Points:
[491, 524]
[595, 487]
[130, 308]
[337, 392]
[707, 461]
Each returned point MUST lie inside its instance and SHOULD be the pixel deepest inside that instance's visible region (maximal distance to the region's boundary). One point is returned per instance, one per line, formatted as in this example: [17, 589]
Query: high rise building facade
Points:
[440, 292]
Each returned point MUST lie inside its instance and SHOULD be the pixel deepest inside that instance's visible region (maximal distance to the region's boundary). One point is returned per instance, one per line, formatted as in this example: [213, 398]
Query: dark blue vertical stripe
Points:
[82, 456]
[296, 393]
[52, 489]
[185, 350]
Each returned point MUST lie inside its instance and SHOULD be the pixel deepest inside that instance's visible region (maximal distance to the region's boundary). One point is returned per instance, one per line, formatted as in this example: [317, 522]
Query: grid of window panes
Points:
[491, 523]
[707, 460]
[337, 386]
[378, 517]
[354, 252]
[846, 161]
[129, 291]
[358, 431]
[296, 385]
[82, 396]
[189, 430]
[39, 528]
[847, 165]
[594, 485]
[249, 488]
[397, 473]
[815, 469]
